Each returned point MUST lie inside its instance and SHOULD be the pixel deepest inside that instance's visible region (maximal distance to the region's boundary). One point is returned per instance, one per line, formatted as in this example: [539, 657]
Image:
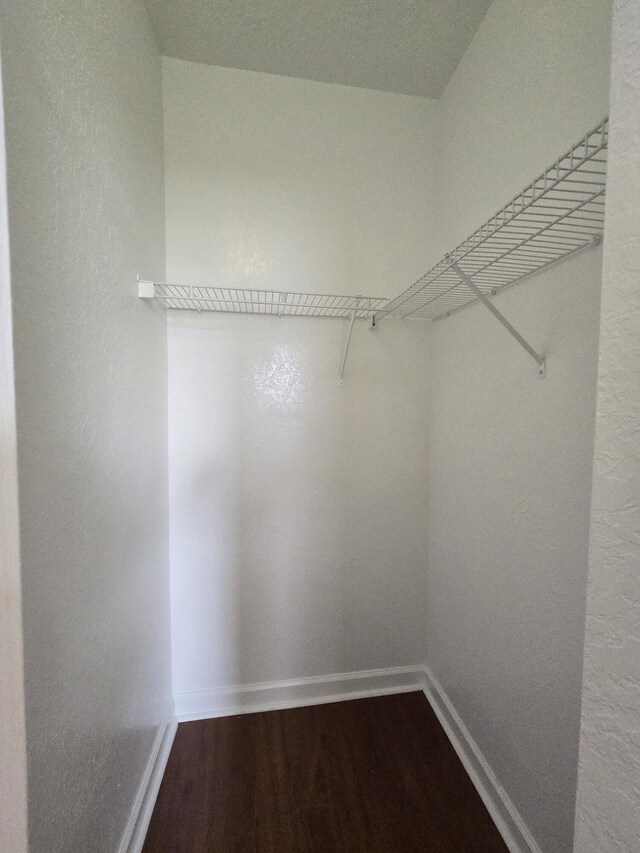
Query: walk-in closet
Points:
[320, 386]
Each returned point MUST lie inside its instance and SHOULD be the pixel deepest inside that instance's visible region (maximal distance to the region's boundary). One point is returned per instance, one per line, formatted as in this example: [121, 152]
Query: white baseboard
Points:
[276, 695]
[505, 815]
[138, 823]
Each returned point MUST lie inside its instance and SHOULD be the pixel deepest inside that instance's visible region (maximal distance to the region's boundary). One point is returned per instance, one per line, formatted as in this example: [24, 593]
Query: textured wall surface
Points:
[297, 507]
[608, 810]
[509, 479]
[84, 146]
[13, 763]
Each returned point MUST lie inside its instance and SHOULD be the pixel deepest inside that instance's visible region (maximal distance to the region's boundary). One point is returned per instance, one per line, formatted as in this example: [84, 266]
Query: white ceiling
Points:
[409, 46]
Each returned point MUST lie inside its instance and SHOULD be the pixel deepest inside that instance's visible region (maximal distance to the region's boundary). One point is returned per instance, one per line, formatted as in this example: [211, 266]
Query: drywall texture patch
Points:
[84, 145]
[608, 814]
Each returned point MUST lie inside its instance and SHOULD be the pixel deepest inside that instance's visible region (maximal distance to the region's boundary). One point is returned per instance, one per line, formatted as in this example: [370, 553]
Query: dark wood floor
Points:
[367, 775]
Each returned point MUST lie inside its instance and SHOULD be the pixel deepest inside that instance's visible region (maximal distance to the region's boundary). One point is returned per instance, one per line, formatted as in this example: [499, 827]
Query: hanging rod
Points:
[187, 297]
[557, 214]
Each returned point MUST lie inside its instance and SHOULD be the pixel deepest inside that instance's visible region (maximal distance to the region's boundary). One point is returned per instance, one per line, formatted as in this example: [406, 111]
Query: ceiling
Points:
[407, 46]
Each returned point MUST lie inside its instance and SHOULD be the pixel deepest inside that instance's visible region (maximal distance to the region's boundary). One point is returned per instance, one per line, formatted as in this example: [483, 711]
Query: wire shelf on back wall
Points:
[559, 213]
[274, 302]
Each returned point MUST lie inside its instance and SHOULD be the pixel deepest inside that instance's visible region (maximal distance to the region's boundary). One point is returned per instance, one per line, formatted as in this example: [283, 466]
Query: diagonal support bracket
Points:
[464, 278]
[347, 342]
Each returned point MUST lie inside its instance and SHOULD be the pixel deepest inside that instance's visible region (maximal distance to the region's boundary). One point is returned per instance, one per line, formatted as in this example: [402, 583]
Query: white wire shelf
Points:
[559, 213]
[245, 301]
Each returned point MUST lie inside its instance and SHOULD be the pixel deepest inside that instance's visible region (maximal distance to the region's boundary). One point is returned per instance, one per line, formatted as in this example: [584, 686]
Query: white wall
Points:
[297, 507]
[288, 184]
[511, 454]
[608, 817]
[508, 529]
[13, 759]
[84, 146]
[534, 80]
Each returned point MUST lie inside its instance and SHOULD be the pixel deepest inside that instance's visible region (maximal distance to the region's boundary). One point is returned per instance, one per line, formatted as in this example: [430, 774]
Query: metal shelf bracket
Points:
[542, 367]
[348, 341]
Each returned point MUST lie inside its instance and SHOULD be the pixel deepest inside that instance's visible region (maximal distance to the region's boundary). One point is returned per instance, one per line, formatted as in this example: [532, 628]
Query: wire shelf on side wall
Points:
[188, 297]
[559, 213]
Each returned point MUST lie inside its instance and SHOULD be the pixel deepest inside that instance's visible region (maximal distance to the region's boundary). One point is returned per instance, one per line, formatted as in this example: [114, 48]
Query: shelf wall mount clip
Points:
[146, 289]
[465, 279]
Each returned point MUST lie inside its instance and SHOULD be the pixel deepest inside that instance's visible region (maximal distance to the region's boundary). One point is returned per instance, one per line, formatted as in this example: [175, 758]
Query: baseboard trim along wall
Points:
[138, 823]
[276, 695]
[505, 815]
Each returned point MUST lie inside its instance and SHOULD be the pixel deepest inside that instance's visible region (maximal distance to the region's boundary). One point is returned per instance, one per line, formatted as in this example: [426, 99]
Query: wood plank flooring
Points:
[366, 776]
